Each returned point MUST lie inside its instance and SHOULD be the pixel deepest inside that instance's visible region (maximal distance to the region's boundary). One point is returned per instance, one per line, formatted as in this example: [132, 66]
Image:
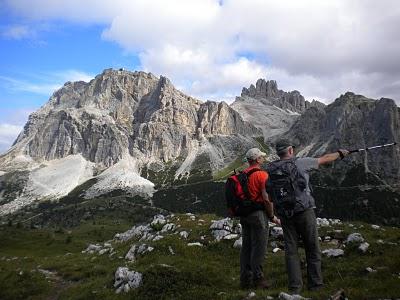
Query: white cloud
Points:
[18, 32]
[8, 134]
[45, 83]
[72, 75]
[321, 48]
[22, 85]
[11, 124]
[88, 11]
[14, 116]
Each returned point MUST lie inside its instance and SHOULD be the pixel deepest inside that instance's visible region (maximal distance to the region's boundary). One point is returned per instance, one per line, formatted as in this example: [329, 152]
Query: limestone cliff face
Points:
[220, 118]
[353, 122]
[119, 113]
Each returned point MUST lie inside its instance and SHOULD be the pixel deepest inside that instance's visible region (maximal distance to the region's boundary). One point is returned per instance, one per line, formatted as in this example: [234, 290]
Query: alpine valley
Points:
[115, 190]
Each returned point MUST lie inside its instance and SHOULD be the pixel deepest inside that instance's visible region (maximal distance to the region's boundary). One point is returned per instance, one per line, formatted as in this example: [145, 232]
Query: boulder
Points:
[284, 296]
[135, 231]
[238, 243]
[323, 222]
[277, 232]
[363, 247]
[195, 244]
[125, 280]
[168, 227]
[97, 248]
[224, 229]
[158, 220]
[370, 270]
[136, 250]
[184, 234]
[333, 252]
[355, 238]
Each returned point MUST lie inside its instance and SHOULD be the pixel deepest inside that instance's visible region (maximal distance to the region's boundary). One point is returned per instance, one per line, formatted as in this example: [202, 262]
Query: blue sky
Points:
[210, 49]
[31, 67]
[34, 65]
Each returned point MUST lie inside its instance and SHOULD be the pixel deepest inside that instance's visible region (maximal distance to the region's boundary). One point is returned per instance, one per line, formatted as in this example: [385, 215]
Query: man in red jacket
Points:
[255, 225]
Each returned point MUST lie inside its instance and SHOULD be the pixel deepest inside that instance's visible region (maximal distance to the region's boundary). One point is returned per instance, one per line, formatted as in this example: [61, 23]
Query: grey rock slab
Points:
[333, 252]
[125, 280]
[355, 238]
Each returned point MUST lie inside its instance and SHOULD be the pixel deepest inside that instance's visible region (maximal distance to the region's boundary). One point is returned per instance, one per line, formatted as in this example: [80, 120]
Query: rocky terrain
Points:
[184, 256]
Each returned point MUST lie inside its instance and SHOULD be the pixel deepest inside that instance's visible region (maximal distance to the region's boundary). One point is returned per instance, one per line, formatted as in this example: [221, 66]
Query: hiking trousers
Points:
[254, 246]
[302, 225]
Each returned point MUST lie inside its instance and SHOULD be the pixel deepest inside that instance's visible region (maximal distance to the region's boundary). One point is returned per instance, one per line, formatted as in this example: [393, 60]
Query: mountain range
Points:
[136, 133]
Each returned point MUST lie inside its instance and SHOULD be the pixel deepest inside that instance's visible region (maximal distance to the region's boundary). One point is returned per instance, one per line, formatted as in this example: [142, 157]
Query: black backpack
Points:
[237, 195]
[287, 185]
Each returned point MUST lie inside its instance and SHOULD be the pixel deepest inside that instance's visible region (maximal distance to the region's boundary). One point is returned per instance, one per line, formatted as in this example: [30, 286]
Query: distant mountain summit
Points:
[271, 110]
[292, 101]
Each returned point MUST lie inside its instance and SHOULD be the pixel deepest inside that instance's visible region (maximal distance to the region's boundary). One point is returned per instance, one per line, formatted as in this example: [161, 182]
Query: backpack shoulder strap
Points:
[272, 166]
[252, 171]
[244, 181]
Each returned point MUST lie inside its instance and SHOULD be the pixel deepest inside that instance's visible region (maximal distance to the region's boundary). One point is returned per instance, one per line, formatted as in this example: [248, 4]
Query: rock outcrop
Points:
[271, 110]
[292, 101]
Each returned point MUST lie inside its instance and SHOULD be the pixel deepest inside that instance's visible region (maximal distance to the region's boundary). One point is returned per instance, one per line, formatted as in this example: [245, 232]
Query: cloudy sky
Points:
[208, 48]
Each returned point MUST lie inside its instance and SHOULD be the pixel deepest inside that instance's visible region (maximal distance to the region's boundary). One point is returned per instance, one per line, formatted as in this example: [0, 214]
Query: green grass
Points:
[224, 173]
[262, 145]
[239, 163]
[208, 272]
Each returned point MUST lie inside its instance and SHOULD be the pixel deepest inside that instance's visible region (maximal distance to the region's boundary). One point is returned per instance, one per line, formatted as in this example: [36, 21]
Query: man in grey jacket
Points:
[296, 212]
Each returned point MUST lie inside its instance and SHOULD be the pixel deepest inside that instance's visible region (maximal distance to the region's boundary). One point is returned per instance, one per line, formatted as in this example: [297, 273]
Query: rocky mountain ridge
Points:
[353, 122]
[270, 109]
[131, 132]
[121, 112]
[292, 101]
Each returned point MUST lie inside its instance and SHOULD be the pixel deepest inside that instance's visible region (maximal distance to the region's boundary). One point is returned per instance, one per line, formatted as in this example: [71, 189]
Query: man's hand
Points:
[276, 221]
[343, 152]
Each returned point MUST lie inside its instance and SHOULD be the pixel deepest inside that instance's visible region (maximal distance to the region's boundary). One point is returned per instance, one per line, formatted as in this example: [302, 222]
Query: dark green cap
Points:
[282, 144]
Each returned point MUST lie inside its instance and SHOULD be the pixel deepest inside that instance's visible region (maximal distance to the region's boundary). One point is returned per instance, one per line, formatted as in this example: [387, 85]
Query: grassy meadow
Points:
[47, 263]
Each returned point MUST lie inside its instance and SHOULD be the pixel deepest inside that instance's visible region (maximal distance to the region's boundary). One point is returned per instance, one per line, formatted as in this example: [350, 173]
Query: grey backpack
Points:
[287, 185]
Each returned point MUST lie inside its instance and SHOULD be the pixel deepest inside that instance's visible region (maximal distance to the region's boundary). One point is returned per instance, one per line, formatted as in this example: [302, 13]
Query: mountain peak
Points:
[268, 92]
[121, 112]
[263, 89]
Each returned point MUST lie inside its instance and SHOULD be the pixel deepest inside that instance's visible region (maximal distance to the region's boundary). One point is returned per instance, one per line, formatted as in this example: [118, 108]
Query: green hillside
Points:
[191, 272]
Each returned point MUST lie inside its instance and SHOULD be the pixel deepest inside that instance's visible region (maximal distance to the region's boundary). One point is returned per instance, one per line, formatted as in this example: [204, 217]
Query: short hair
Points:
[284, 151]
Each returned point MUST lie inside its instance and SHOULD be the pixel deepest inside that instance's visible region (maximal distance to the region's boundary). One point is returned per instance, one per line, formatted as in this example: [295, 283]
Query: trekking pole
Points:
[373, 147]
